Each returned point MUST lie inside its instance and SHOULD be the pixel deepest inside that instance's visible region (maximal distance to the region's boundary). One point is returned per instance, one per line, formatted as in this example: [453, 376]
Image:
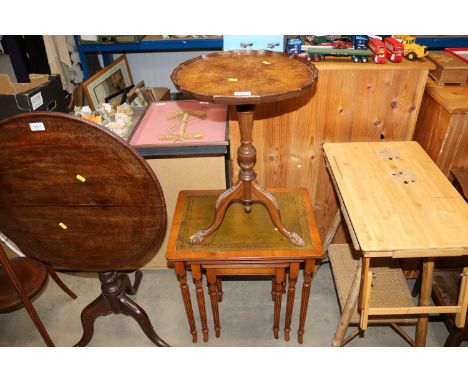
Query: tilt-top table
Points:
[244, 79]
[76, 196]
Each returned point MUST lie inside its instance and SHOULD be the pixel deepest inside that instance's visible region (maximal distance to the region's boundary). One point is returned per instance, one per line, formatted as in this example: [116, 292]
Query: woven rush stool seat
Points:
[244, 244]
[389, 284]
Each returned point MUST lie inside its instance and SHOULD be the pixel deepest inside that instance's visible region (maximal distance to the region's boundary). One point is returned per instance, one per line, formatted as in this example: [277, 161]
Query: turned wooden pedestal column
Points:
[244, 79]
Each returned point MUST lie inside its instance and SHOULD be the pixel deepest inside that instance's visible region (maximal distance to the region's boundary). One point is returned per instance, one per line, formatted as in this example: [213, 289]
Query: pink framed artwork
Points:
[181, 123]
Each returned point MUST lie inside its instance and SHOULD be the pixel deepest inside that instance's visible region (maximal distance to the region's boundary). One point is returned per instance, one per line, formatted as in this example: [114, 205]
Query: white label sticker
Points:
[160, 103]
[37, 126]
[37, 101]
[242, 93]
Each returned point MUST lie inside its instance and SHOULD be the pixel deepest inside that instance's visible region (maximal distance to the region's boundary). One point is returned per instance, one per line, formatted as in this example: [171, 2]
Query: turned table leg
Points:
[278, 294]
[213, 290]
[184, 289]
[219, 285]
[197, 277]
[309, 267]
[293, 272]
[425, 300]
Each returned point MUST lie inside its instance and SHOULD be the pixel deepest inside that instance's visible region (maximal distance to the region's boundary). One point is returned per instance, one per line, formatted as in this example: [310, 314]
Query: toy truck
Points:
[378, 50]
[393, 49]
[358, 52]
[412, 50]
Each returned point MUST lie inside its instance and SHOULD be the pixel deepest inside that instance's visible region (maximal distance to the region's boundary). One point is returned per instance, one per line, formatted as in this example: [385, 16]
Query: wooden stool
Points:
[244, 244]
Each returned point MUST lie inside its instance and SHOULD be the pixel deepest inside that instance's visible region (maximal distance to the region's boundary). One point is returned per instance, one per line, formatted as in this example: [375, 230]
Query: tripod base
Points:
[114, 299]
[247, 192]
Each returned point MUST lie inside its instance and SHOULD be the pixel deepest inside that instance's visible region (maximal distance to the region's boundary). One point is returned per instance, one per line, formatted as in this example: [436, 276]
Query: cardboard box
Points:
[43, 93]
[152, 94]
[449, 68]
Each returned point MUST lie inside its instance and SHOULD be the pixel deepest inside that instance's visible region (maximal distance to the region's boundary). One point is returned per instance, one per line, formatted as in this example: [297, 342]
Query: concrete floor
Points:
[246, 316]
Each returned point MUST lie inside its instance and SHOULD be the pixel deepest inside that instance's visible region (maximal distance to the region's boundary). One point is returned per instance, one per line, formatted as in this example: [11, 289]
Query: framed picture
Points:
[111, 80]
[118, 97]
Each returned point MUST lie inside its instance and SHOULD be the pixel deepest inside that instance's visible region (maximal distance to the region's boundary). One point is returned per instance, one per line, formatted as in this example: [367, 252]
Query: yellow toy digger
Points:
[412, 49]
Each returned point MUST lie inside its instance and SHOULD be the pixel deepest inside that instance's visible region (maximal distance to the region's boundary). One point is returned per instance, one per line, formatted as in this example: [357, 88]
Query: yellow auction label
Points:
[81, 178]
[63, 226]
[266, 62]
[232, 79]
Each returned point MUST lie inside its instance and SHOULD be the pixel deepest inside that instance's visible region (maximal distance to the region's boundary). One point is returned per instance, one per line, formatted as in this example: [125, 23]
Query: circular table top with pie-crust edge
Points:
[244, 77]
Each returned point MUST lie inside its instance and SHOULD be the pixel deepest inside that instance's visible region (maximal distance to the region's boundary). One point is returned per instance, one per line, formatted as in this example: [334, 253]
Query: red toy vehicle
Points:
[393, 49]
[302, 56]
[343, 43]
[378, 50]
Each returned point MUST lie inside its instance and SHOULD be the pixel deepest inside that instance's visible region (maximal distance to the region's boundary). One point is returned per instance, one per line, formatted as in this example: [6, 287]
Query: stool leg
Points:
[309, 267]
[278, 294]
[293, 272]
[211, 276]
[58, 281]
[24, 298]
[197, 277]
[180, 271]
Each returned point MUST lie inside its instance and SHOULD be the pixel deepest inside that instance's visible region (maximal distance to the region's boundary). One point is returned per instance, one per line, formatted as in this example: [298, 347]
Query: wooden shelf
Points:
[148, 44]
[345, 63]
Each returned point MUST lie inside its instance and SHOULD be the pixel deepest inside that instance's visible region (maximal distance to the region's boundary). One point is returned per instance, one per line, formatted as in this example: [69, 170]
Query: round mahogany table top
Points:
[244, 77]
[75, 195]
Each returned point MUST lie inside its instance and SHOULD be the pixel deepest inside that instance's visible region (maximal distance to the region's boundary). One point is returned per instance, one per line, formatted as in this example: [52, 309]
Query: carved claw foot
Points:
[198, 237]
[296, 239]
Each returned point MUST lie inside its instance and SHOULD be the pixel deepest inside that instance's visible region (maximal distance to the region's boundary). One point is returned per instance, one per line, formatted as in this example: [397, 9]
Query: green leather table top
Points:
[242, 231]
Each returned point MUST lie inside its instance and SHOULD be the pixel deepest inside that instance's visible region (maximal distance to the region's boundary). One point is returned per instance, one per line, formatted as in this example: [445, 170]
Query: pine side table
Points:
[244, 244]
[397, 204]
